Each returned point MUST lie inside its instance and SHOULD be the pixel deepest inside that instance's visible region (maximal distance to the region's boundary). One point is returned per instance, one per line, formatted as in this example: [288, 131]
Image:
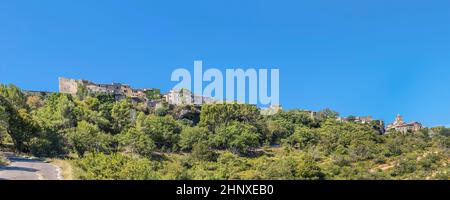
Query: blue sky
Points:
[372, 57]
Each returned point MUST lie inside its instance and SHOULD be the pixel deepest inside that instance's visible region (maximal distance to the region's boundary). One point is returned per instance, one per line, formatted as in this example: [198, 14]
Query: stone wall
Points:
[68, 86]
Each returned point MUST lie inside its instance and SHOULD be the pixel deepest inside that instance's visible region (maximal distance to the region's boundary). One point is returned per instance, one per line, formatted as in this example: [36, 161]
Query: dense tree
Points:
[106, 103]
[201, 151]
[18, 126]
[239, 137]
[309, 170]
[14, 95]
[4, 119]
[115, 167]
[164, 131]
[89, 110]
[327, 114]
[161, 111]
[304, 137]
[276, 131]
[82, 91]
[121, 114]
[137, 142]
[122, 140]
[297, 118]
[87, 137]
[58, 113]
[191, 136]
[441, 130]
[214, 115]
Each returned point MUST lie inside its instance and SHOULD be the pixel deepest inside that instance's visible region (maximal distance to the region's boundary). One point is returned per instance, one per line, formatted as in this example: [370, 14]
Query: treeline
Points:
[109, 139]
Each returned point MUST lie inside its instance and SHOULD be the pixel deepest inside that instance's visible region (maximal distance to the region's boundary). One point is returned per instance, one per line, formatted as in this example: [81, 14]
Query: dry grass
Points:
[3, 160]
[67, 171]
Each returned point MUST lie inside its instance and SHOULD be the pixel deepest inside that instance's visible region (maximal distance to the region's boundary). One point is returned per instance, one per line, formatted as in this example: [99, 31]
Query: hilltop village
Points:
[117, 132]
[153, 98]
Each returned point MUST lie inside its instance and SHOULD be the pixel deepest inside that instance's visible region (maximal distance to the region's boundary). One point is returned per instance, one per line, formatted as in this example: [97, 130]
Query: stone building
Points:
[151, 96]
[400, 126]
[186, 97]
[363, 120]
[376, 124]
[71, 86]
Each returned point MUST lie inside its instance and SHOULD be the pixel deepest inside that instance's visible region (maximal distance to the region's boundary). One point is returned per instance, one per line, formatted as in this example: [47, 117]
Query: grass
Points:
[67, 170]
[3, 160]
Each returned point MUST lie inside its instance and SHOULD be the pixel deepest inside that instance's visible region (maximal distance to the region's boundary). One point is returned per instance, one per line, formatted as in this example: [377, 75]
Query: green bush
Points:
[191, 136]
[236, 136]
[202, 152]
[87, 137]
[164, 131]
[98, 166]
[137, 142]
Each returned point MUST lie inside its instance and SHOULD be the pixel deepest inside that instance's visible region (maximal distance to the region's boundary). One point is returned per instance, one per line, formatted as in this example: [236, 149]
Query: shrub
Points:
[237, 137]
[137, 142]
[98, 166]
[309, 170]
[87, 137]
[191, 136]
[202, 152]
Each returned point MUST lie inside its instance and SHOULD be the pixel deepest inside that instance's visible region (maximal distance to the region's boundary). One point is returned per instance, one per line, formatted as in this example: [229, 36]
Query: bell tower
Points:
[399, 120]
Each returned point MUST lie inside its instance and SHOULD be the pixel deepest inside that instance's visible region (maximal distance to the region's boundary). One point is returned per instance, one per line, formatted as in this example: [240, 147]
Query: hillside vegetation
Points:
[3, 160]
[109, 139]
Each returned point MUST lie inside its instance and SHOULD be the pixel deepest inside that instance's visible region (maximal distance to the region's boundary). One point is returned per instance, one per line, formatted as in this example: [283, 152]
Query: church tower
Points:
[399, 120]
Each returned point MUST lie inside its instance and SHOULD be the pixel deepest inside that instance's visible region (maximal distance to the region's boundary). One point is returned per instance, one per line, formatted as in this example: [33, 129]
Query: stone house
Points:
[120, 91]
[400, 126]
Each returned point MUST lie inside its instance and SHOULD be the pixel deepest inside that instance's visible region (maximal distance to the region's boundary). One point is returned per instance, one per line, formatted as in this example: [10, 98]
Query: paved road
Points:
[28, 169]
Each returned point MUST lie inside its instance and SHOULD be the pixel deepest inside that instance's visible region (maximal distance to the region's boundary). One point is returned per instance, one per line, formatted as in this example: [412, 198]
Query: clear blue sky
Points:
[371, 57]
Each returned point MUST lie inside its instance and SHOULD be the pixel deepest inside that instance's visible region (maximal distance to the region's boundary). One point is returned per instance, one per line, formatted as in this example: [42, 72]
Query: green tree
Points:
[14, 95]
[4, 119]
[304, 137]
[307, 169]
[334, 134]
[121, 115]
[327, 114]
[106, 103]
[230, 166]
[98, 166]
[161, 110]
[297, 118]
[201, 151]
[137, 142]
[88, 138]
[191, 136]
[276, 131]
[89, 110]
[19, 125]
[58, 113]
[214, 115]
[164, 131]
[153, 94]
[283, 124]
[82, 91]
[236, 136]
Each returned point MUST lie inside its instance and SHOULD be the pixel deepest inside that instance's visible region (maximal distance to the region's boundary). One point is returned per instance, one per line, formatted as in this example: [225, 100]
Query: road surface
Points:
[28, 169]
